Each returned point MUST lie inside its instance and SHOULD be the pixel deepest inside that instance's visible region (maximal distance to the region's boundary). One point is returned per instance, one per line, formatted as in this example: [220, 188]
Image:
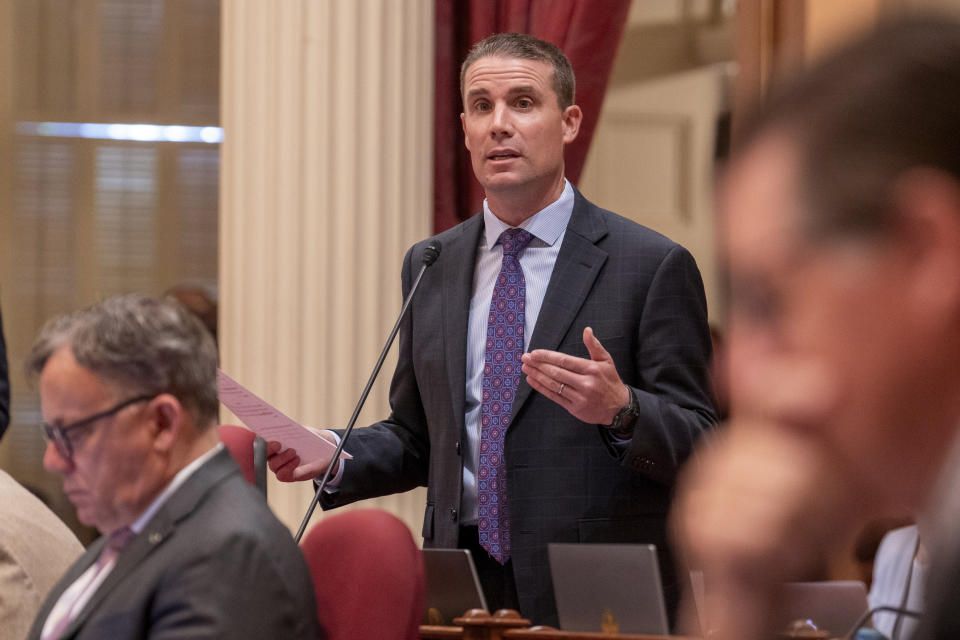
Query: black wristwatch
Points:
[623, 422]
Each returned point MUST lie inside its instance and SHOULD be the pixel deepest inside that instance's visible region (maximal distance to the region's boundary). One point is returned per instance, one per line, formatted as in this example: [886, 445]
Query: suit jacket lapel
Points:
[574, 273]
[75, 571]
[179, 505]
[457, 290]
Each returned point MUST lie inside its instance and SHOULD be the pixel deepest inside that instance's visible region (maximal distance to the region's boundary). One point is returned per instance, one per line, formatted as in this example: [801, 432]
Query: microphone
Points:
[900, 611]
[430, 255]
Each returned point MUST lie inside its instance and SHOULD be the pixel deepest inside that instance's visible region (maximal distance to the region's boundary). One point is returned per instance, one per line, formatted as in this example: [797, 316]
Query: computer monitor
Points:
[452, 585]
[608, 587]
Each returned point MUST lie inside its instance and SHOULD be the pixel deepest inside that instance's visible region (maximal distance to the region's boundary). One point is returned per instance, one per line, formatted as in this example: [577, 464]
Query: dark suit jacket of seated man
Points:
[642, 362]
[128, 394]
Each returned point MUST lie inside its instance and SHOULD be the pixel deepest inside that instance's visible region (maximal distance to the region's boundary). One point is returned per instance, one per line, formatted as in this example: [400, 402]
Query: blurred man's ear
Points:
[928, 229]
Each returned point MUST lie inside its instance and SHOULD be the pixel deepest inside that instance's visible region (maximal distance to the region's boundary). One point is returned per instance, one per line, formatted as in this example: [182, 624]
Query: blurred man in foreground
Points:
[841, 233]
[190, 550]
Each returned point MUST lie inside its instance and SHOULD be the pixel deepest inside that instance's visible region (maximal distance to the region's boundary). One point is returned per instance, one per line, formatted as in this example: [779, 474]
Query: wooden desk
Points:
[478, 624]
[507, 624]
[435, 632]
[553, 634]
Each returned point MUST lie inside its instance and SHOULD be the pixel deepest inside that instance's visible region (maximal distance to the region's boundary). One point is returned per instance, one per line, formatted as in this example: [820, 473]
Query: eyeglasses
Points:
[58, 434]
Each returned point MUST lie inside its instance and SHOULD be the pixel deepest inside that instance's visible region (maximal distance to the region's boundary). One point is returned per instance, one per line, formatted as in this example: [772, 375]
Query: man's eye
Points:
[524, 103]
[756, 306]
[74, 436]
[481, 106]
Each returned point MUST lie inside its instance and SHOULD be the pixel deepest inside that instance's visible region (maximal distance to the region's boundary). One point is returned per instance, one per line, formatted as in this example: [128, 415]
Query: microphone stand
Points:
[430, 255]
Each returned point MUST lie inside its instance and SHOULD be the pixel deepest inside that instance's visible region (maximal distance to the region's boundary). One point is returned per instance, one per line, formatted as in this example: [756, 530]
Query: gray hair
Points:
[141, 344]
[526, 47]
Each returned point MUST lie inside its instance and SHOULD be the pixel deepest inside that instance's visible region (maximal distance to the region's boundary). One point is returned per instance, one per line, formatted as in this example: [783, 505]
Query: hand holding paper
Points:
[295, 452]
[287, 465]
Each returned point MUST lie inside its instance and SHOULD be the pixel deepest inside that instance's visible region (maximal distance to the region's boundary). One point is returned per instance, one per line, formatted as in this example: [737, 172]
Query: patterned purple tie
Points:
[501, 376]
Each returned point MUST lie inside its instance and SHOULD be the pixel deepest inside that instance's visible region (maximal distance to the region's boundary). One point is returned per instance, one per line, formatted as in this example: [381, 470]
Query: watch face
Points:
[618, 419]
[626, 414]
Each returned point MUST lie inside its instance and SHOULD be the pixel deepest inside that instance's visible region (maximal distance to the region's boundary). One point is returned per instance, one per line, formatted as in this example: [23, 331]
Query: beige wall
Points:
[652, 155]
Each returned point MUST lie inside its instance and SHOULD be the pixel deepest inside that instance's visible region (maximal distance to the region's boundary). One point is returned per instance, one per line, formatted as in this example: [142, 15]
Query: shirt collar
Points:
[547, 225]
[175, 484]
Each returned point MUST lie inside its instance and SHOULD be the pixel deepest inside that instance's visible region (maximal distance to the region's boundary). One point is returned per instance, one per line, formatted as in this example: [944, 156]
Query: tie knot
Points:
[514, 241]
[120, 538]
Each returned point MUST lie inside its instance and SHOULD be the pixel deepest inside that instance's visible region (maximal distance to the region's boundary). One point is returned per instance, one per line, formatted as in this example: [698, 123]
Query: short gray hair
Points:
[142, 344]
[526, 47]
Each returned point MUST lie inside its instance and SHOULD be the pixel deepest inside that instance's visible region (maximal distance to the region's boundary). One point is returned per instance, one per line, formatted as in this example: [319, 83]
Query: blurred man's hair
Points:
[885, 103]
[526, 47]
[142, 345]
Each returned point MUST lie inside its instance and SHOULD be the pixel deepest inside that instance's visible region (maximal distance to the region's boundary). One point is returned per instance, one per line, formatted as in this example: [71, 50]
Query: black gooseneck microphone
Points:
[900, 611]
[430, 255]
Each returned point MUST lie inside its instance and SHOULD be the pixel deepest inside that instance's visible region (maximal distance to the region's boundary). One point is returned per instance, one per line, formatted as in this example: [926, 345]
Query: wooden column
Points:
[774, 37]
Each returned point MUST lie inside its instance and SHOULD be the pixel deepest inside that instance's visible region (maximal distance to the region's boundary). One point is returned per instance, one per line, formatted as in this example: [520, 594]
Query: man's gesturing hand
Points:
[591, 390]
[285, 463]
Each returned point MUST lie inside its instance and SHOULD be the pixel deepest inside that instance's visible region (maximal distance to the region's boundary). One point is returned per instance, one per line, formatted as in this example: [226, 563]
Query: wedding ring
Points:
[560, 390]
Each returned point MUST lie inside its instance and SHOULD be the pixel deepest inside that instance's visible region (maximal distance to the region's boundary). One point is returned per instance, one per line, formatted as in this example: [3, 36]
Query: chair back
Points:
[368, 576]
[250, 452]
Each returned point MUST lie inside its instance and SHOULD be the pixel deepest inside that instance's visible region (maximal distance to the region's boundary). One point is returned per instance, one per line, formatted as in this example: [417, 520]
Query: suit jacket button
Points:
[457, 447]
[453, 515]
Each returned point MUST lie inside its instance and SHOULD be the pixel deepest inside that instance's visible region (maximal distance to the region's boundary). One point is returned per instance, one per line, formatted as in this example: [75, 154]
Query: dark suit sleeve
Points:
[392, 455]
[236, 591]
[4, 384]
[673, 385]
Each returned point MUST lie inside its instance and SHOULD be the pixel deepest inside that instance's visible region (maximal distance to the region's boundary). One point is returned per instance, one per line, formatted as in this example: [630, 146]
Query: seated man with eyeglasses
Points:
[129, 399]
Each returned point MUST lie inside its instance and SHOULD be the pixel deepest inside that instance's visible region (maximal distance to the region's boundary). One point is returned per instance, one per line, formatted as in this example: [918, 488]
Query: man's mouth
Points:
[503, 155]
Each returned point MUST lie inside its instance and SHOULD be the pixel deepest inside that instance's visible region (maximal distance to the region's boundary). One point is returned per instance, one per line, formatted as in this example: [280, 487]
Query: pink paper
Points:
[271, 424]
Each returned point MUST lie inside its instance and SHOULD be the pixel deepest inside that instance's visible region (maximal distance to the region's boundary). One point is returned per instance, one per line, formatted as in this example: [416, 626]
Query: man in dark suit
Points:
[606, 320]
[190, 550]
[841, 235]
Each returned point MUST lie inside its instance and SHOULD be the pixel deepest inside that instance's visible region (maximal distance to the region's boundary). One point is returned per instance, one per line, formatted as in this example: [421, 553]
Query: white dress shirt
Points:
[548, 227]
[899, 580]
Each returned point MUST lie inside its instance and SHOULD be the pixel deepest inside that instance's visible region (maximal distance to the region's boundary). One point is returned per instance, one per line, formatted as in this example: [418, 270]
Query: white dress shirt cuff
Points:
[333, 485]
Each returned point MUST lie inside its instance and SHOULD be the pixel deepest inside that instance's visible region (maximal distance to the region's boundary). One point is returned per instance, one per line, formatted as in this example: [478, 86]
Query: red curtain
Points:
[588, 31]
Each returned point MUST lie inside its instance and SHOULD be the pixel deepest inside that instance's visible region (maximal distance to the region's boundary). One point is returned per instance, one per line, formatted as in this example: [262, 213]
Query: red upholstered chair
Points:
[250, 452]
[368, 576]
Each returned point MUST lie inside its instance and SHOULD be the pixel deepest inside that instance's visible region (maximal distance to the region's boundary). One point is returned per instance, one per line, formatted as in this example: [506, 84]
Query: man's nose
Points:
[501, 124]
[53, 461]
